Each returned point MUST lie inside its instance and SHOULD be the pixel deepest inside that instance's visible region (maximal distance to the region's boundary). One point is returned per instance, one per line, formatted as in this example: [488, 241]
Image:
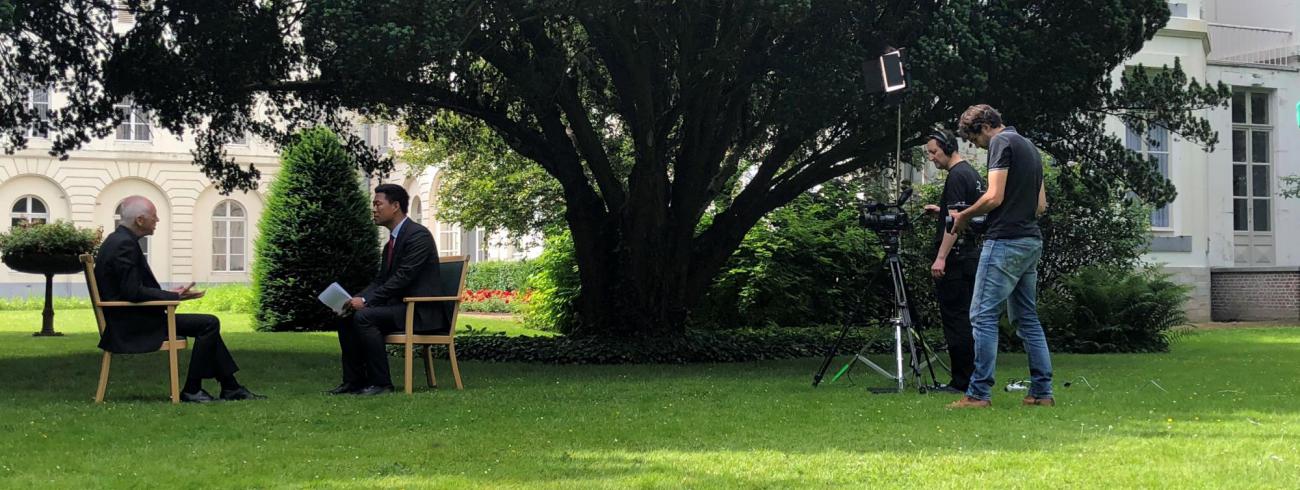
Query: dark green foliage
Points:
[807, 263]
[1088, 227]
[505, 275]
[316, 229]
[555, 287]
[644, 113]
[57, 238]
[739, 345]
[1100, 309]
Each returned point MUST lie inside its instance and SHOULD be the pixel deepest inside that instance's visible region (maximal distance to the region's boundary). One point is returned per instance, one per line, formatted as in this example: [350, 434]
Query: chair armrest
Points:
[429, 299]
[142, 303]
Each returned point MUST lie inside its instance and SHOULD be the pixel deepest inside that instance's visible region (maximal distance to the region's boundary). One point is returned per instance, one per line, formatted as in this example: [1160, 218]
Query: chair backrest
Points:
[451, 282]
[93, 288]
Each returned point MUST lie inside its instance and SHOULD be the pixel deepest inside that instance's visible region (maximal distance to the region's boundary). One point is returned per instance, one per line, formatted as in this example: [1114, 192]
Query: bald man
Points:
[123, 274]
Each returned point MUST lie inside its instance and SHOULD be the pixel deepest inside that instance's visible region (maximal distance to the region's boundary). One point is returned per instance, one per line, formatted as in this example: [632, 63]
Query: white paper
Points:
[335, 297]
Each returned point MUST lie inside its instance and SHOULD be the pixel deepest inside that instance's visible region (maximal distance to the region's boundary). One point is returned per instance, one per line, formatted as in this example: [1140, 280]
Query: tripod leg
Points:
[817, 378]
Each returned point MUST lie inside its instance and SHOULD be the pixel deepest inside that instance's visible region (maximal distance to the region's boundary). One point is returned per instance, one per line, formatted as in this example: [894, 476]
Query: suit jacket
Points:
[413, 271]
[122, 274]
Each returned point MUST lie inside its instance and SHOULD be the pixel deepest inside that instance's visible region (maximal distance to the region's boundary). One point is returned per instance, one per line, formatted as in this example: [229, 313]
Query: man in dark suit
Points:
[123, 274]
[409, 268]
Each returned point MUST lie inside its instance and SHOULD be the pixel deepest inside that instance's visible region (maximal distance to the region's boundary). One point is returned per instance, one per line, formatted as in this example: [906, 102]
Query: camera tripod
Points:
[921, 357]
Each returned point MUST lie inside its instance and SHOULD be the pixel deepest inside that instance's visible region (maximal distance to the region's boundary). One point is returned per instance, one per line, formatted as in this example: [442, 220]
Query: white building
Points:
[1227, 233]
[202, 236]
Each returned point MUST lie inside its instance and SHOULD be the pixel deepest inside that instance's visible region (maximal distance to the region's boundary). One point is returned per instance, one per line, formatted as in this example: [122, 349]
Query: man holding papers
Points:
[409, 267]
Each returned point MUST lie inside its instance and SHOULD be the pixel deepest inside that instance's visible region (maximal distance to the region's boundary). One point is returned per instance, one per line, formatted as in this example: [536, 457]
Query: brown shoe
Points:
[1042, 402]
[968, 402]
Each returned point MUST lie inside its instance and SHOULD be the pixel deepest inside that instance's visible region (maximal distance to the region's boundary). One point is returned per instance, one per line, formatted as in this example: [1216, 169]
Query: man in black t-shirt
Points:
[1008, 266]
[955, 261]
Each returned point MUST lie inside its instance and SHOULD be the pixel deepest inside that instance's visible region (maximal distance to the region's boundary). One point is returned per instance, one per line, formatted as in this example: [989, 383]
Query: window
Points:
[1252, 179]
[375, 135]
[448, 239]
[39, 100]
[144, 242]
[29, 209]
[1154, 144]
[1251, 162]
[134, 125]
[416, 213]
[229, 225]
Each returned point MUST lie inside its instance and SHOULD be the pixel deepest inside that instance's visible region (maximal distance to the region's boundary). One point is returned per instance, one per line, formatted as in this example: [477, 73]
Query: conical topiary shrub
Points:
[317, 229]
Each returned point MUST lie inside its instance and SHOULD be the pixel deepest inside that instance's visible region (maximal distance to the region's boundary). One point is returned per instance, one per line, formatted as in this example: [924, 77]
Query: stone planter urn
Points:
[49, 265]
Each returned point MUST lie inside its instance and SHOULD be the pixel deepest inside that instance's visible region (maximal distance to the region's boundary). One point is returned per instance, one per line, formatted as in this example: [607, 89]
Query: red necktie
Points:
[388, 252]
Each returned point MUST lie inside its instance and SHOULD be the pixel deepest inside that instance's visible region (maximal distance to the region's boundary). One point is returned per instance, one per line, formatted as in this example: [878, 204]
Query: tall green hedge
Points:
[506, 275]
[317, 229]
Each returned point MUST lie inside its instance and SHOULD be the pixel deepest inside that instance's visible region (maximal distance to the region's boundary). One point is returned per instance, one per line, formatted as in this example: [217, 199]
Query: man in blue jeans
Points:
[1008, 266]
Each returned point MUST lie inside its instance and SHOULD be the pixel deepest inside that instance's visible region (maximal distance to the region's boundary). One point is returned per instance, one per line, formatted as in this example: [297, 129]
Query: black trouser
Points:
[953, 292]
[209, 357]
[361, 342]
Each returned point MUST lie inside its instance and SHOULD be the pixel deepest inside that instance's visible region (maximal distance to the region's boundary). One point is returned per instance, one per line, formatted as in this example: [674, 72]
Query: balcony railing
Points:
[1253, 45]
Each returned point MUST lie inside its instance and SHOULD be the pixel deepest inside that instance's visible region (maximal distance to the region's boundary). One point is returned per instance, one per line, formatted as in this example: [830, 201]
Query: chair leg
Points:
[175, 374]
[103, 377]
[407, 356]
[428, 366]
[455, 368]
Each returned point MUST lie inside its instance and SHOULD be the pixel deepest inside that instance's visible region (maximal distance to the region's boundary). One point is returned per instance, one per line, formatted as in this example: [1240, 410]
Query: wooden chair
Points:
[171, 345]
[451, 274]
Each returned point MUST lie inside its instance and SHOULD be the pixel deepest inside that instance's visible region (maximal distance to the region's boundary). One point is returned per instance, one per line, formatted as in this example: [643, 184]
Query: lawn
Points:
[1219, 411]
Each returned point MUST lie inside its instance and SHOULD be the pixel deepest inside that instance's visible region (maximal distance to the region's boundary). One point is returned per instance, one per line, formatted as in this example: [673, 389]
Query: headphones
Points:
[947, 141]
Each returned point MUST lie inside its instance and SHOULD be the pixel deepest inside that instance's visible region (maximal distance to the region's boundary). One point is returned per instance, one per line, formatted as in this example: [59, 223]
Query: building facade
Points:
[202, 235]
[1228, 231]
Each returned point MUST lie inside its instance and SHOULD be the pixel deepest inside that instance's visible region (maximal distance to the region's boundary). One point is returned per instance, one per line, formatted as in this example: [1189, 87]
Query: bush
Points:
[493, 301]
[316, 229]
[1085, 227]
[36, 302]
[234, 298]
[1099, 309]
[807, 263]
[57, 238]
[741, 345]
[555, 286]
[505, 275]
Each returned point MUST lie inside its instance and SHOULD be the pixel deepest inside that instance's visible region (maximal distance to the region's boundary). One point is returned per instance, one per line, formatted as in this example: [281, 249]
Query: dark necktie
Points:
[388, 252]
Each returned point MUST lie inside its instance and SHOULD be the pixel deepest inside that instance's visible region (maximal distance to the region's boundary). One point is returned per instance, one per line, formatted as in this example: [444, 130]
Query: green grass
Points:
[1220, 411]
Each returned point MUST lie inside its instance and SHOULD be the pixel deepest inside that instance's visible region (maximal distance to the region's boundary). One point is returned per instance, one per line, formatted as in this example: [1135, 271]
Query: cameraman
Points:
[954, 264]
[1008, 266]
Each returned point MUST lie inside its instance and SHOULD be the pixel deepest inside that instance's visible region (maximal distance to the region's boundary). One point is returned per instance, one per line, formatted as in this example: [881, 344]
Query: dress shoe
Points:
[1041, 402]
[345, 389]
[968, 402]
[240, 393]
[201, 396]
[948, 389]
[373, 390]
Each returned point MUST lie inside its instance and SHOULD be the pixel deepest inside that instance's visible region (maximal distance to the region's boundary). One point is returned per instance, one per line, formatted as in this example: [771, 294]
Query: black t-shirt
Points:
[1017, 217]
[963, 184]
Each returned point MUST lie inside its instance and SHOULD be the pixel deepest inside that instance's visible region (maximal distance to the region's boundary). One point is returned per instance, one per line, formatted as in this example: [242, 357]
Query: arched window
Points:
[144, 242]
[29, 209]
[229, 235]
[416, 213]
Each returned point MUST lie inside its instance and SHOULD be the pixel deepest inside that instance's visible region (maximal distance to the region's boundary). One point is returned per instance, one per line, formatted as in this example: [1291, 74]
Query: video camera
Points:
[878, 217]
[978, 225]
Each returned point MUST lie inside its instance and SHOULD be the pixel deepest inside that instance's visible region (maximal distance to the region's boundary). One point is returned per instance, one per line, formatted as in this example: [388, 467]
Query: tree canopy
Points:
[647, 114]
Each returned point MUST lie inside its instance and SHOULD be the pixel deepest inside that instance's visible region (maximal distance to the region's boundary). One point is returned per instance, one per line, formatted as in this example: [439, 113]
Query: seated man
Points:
[123, 274]
[409, 267]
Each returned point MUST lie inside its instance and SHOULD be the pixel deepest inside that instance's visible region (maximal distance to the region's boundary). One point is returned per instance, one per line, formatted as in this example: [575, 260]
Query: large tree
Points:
[645, 112]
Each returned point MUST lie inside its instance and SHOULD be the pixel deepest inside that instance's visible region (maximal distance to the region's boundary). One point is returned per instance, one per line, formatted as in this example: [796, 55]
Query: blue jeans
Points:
[1008, 275]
